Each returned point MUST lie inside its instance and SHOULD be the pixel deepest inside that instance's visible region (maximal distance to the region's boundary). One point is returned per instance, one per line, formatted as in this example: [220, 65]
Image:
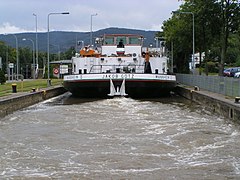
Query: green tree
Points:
[178, 33]
[8, 55]
[215, 23]
[229, 15]
[233, 51]
[207, 28]
[2, 77]
[69, 53]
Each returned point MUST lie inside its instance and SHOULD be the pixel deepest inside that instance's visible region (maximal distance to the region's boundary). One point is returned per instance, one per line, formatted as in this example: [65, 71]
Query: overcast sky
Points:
[17, 15]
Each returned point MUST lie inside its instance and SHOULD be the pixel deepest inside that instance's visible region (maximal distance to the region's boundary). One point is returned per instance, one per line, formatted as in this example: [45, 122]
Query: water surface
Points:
[120, 138]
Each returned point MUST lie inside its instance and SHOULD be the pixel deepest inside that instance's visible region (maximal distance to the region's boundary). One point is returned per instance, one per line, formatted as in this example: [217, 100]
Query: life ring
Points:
[55, 71]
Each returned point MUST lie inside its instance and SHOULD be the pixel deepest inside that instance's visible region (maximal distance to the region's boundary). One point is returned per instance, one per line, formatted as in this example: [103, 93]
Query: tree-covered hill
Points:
[62, 40]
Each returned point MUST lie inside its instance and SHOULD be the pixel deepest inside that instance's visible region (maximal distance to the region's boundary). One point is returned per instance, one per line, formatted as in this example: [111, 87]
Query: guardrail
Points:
[116, 68]
[14, 77]
[227, 86]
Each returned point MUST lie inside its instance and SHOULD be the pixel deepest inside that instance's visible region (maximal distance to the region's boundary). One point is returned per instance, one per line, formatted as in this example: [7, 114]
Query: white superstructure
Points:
[120, 66]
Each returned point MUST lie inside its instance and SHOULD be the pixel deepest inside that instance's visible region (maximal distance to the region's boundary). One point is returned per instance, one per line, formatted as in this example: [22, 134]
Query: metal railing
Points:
[115, 68]
[227, 86]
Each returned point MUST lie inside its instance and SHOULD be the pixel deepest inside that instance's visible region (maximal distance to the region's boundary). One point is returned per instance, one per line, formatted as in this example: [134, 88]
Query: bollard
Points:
[196, 88]
[237, 99]
[14, 88]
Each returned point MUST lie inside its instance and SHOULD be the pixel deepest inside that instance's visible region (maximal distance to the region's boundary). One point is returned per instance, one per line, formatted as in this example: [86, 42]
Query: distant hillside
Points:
[64, 40]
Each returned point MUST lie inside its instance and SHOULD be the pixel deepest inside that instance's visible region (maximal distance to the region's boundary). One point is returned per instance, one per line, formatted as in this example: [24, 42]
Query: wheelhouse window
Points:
[122, 39]
[109, 40]
[134, 40]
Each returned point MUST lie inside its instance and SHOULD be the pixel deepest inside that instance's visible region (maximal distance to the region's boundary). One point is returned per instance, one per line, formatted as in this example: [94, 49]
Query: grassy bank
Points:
[27, 85]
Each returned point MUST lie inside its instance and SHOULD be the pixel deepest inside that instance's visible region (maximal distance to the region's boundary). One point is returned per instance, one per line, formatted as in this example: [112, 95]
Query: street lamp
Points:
[34, 72]
[157, 40]
[16, 53]
[82, 42]
[36, 45]
[193, 35]
[91, 29]
[48, 80]
[78, 42]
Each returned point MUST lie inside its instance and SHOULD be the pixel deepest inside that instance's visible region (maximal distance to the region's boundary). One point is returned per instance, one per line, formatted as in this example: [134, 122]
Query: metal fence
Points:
[222, 85]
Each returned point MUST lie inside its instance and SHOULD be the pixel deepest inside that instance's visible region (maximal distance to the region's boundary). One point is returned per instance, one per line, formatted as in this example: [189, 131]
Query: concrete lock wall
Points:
[216, 103]
[12, 104]
[212, 102]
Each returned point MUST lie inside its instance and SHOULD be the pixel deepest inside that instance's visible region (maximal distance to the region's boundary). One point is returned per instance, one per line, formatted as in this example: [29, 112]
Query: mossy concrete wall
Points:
[21, 100]
[216, 103]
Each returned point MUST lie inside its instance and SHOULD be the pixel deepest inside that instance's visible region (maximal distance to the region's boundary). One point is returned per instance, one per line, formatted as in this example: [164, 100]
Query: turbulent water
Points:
[119, 138]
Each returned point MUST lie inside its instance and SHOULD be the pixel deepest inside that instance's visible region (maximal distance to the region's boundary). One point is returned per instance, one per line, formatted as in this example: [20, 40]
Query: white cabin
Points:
[119, 54]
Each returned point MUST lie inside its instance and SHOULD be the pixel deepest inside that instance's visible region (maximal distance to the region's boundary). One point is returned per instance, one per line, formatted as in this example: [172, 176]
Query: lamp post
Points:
[91, 28]
[48, 80]
[78, 42]
[82, 44]
[8, 69]
[17, 57]
[34, 72]
[157, 40]
[36, 45]
[193, 35]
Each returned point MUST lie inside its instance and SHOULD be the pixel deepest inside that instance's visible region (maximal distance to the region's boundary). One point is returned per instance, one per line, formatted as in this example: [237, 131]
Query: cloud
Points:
[8, 28]
[111, 13]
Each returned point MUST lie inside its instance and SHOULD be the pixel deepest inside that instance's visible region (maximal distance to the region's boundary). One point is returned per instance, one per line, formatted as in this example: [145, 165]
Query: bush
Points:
[2, 77]
[212, 67]
[238, 61]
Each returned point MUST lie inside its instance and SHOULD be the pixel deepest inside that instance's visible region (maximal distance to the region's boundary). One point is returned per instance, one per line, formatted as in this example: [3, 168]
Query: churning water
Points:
[119, 138]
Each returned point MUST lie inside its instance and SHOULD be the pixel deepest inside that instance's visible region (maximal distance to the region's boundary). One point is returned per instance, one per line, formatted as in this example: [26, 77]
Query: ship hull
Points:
[136, 86]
